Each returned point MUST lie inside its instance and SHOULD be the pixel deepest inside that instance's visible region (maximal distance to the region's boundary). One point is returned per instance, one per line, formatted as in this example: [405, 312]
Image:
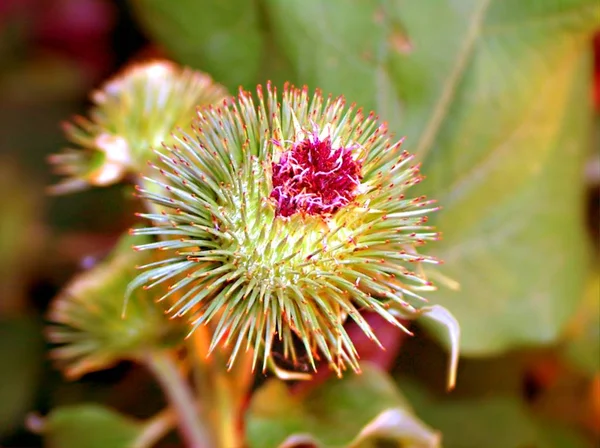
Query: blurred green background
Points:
[499, 99]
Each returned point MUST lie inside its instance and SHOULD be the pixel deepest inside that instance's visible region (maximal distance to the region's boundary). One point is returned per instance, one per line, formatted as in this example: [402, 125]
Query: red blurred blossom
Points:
[389, 335]
[78, 30]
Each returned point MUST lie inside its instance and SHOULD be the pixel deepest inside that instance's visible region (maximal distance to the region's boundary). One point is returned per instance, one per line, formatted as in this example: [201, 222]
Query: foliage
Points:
[88, 426]
[583, 334]
[20, 353]
[493, 421]
[492, 96]
[480, 89]
[353, 411]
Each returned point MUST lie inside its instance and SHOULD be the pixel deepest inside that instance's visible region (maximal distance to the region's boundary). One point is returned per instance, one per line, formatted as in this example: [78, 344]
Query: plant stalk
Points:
[181, 398]
[156, 428]
[225, 389]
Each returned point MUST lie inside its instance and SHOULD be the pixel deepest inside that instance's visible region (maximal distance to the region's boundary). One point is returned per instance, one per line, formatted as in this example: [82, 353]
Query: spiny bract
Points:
[284, 218]
[87, 321]
[133, 112]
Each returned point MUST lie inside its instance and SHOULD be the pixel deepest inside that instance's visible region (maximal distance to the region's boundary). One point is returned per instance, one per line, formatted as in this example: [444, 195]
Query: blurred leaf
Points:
[214, 34]
[37, 90]
[47, 76]
[89, 426]
[572, 399]
[13, 33]
[21, 236]
[351, 411]
[480, 87]
[21, 360]
[582, 347]
[446, 328]
[552, 435]
[492, 421]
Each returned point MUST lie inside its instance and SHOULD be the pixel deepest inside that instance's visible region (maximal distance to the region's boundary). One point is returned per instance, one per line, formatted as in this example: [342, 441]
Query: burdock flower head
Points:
[285, 217]
[89, 325]
[132, 113]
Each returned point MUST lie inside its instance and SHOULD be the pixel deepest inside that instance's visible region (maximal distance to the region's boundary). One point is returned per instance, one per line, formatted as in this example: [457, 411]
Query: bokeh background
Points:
[521, 383]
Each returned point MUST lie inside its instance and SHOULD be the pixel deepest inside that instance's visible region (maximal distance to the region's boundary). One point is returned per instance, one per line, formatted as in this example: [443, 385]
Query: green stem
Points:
[155, 429]
[181, 398]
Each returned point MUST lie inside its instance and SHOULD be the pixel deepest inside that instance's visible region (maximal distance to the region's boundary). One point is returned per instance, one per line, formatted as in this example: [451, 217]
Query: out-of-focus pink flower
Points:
[390, 336]
[77, 30]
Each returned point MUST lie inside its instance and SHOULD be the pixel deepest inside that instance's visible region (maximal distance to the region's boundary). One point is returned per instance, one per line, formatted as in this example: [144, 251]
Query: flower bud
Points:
[284, 217]
[132, 114]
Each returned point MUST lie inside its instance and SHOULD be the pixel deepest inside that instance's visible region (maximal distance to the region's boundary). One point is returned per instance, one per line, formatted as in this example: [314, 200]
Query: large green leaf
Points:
[20, 236]
[492, 96]
[21, 358]
[204, 33]
[551, 435]
[582, 345]
[89, 426]
[490, 421]
[353, 411]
